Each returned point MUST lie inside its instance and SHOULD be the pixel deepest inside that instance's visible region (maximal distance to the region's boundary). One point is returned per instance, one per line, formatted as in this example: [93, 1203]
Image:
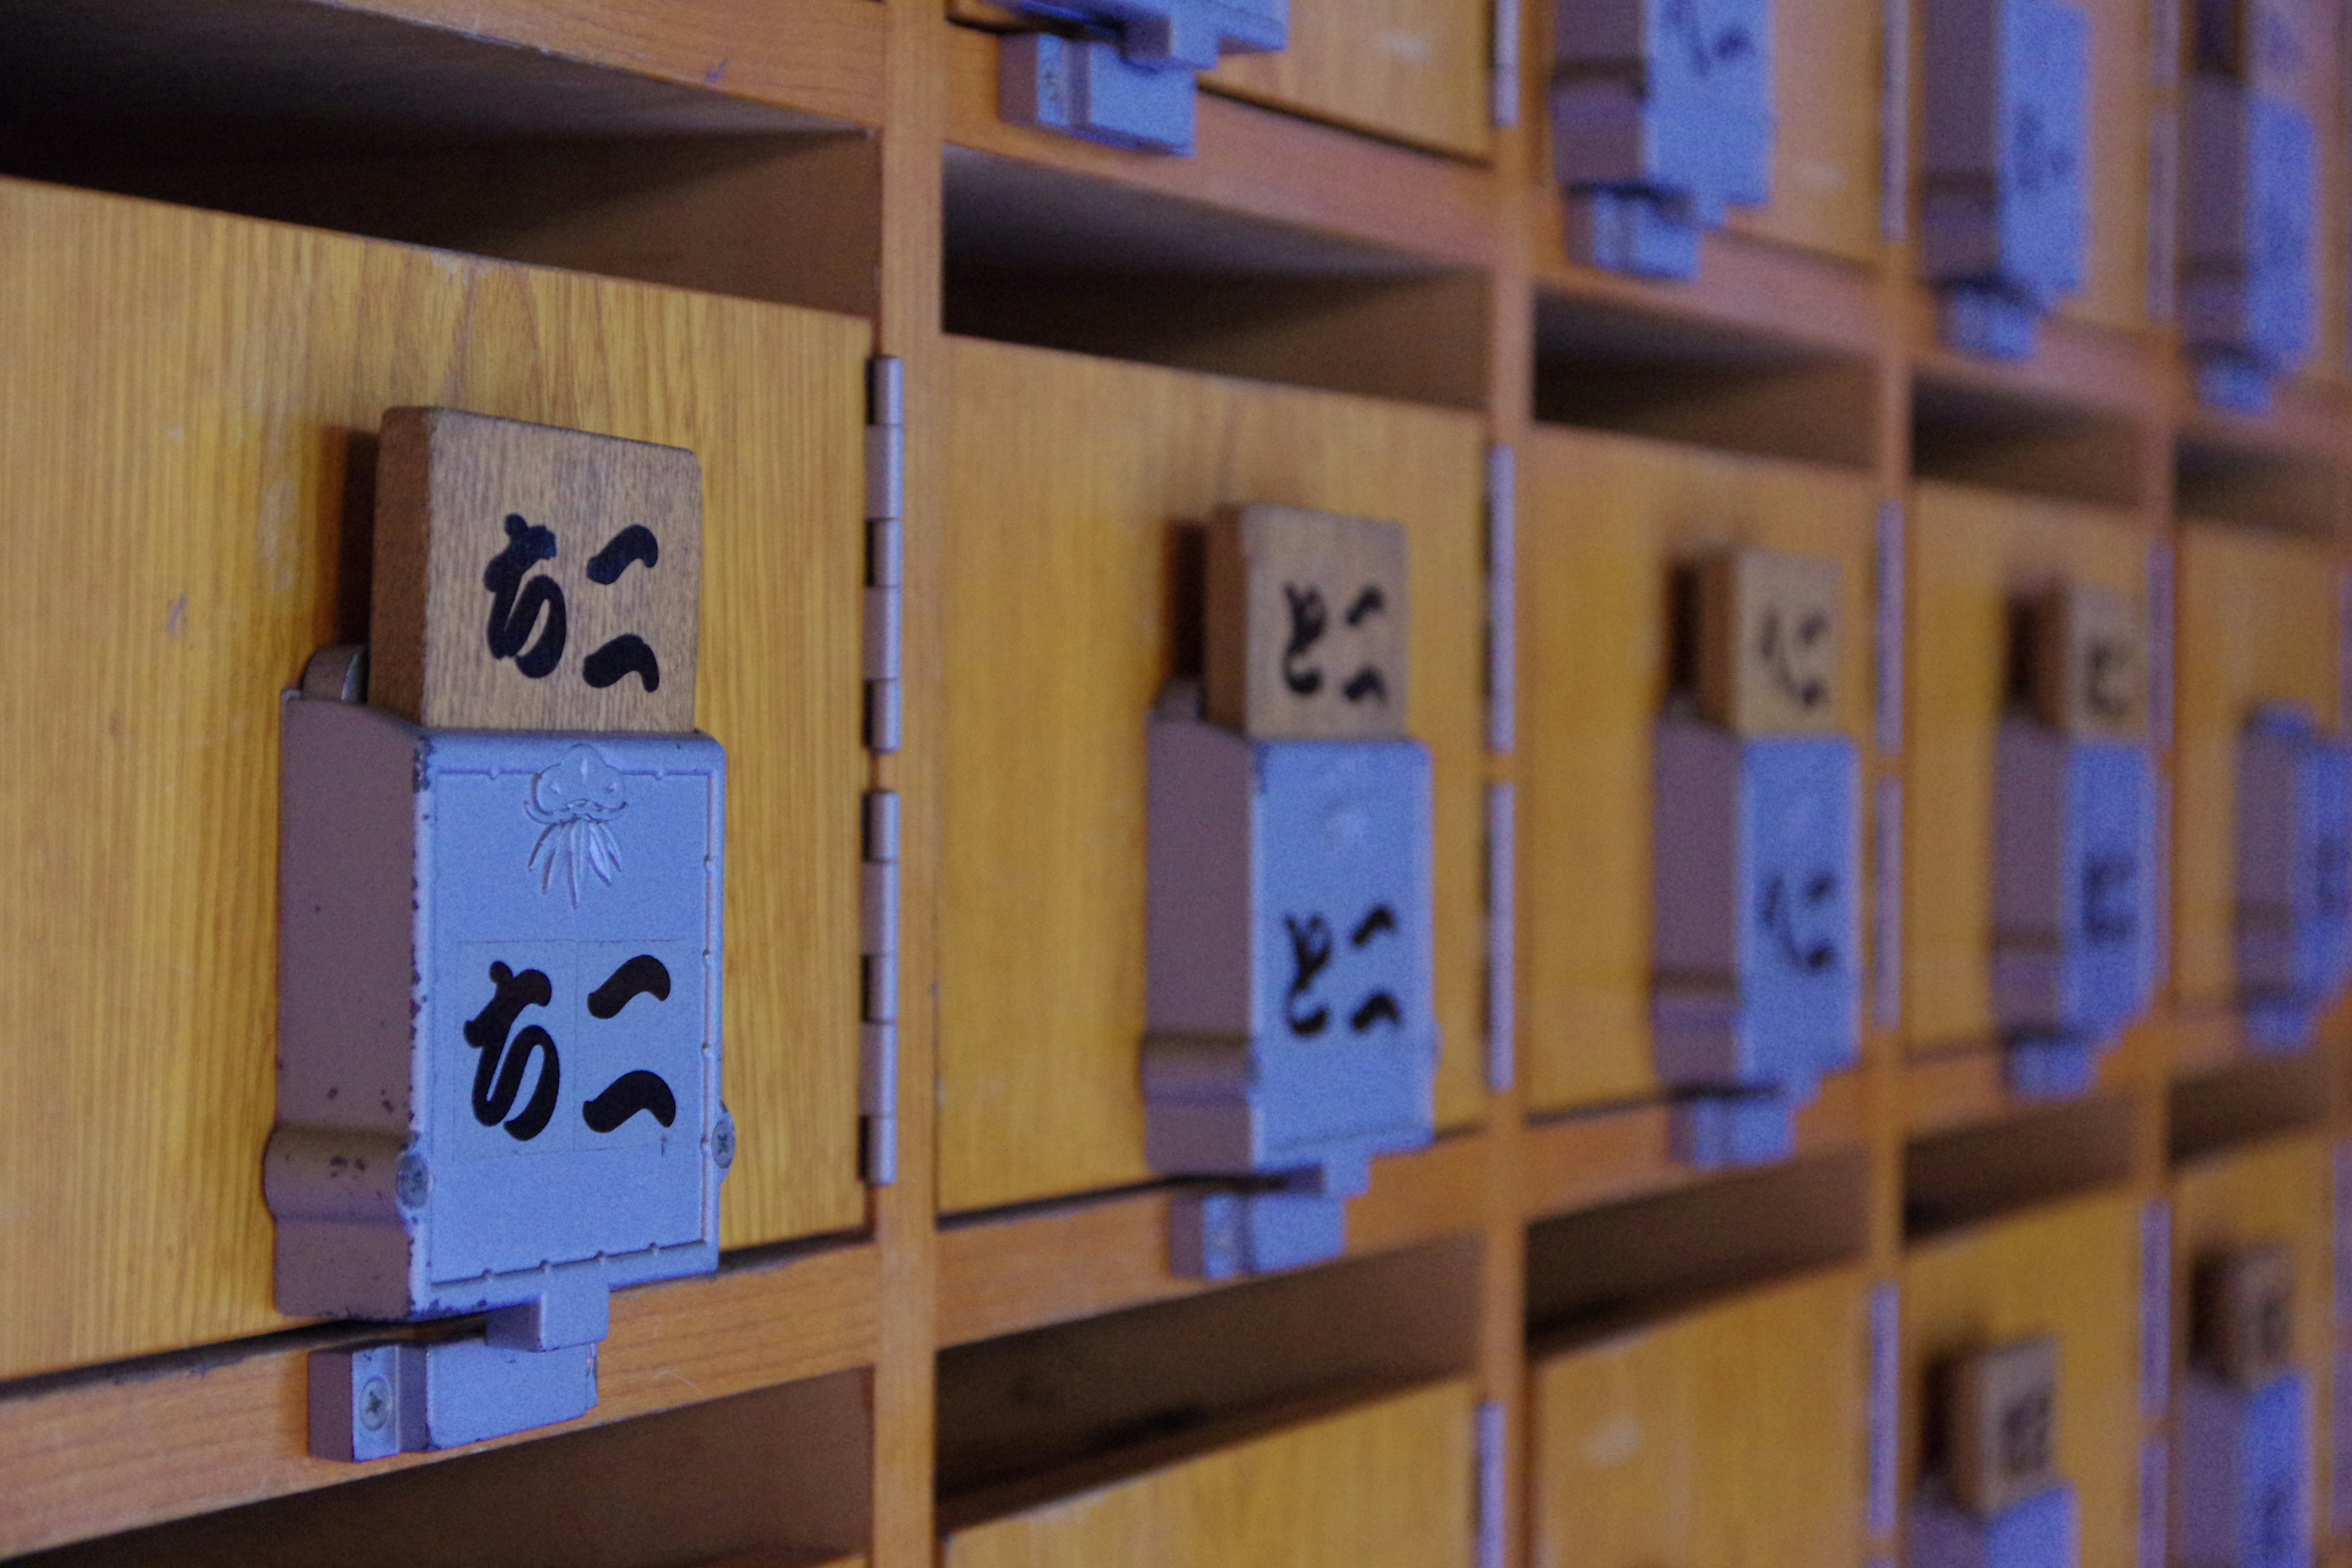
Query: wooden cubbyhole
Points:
[1032, 1420]
[1601, 1271]
[2246, 1103]
[1051, 259]
[1980, 1174]
[781, 1477]
[1608, 365]
[1977, 431]
[2294, 491]
[344, 120]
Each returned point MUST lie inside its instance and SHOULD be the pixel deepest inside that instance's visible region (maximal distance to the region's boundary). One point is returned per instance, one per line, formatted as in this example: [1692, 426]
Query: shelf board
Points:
[1056, 1263]
[93, 1454]
[2079, 370]
[1255, 162]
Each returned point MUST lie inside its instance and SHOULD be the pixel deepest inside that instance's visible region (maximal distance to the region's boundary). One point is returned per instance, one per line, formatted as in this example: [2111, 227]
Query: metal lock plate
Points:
[2294, 875]
[499, 1018]
[1757, 849]
[2249, 229]
[1128, 80]
[2241, 1472]
[2041, 1531]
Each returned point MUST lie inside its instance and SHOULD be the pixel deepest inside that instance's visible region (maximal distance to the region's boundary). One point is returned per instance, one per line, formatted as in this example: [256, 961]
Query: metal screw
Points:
[376, 1404]
[414, 1182]
[723, 1141]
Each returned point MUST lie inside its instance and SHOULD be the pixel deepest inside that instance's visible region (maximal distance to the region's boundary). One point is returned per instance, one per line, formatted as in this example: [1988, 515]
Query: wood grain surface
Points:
[1827, 62]
[1733, 1433]
[1603, 521]
[2258, 624]
[191, 430]
[2116, 257]
[1383, 1485]
[2071, 1270]
[1074, 488]
[1974, 553]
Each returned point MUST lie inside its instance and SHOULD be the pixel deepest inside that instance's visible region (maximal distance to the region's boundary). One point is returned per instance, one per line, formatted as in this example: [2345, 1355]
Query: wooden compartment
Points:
[1604, 522]
[194, 410]
[2278, 1190]
[1735, 1431]
[1075, 489]
[2071, 1270]
[1384, 1482]
[1415, 71]
[2258, 623]
[1976, 554]
[777, 1479]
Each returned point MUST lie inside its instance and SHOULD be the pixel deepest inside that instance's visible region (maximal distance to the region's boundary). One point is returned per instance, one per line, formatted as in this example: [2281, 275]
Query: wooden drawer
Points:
[1974, 554]
[1379, 1485]
[2071, 1272]
[1417, 71]
[196, 401]
[2257, 624]
[1604, 520]
[1072, 487]
[1737, 1433]
[2282, 1190]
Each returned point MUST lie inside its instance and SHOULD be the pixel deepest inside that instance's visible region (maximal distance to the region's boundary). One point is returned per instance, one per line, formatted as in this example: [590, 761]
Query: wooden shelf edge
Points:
[88, 1457]
[1751, 288]
[821, 56]
[1087, 1257]
[2082, 367]
[1259, 163]
[1580, 1161]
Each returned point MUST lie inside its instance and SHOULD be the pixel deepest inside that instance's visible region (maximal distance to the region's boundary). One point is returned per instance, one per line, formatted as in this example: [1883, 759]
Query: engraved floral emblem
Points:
[571, 802]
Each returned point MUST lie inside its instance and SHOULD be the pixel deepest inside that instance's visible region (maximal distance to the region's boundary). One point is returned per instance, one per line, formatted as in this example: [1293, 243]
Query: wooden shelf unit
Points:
[1311, 254]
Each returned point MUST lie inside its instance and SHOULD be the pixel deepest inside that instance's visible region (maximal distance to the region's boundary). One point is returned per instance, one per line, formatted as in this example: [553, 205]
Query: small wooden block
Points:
[2245, 1313]
[1309, 619]
[2090, 664]
[533, 578]
[1768, 642]
[2003, 1440]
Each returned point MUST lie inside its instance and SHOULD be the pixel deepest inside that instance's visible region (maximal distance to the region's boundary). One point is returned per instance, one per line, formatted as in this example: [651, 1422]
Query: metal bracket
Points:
[1502, 599]
[1502, 937]
[1885, 1351]
[1894, 124]
[1887, 911]
[1888, 653]
[2155, 1308]
[886, 508]
[877, 1091]
[1494, 1483]
[1505, 110]
[2155, 1503]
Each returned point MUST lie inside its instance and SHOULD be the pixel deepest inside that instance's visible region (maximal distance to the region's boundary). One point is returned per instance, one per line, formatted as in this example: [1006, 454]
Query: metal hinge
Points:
[1885, 1353]
[2155, 1308]
[1494, 1487]
[2154, 1503]
[1887, 922]
[1506, 106]
[1502, 937]
[1891, 610]
[1894, 124]
[1502, 599]
[2160, 616]
[877, 1078]
[885, 550]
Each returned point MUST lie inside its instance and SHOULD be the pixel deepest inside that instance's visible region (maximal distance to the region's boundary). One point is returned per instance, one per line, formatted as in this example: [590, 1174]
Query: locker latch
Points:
[2294, 876]
[1997, 1499]
[1124, 75]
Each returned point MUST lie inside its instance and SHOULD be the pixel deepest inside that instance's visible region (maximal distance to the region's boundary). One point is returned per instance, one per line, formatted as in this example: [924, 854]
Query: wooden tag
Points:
[2245, 1313]
[2003, 1408]
[1308, 623]
[533, 578]
[1768, 642]
[2090, 664]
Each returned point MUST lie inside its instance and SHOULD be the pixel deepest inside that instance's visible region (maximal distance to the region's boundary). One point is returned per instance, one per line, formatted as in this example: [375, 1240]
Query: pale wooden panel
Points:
[2072, 1270]
[1735, 1433]
[2257, 624]
[2114, 272]
[1973, 554]
[1384, 1485]
[1070, 483]
[1604, 520]
[187, 432]
[1411, 70]
[1827, 67]
[2278, 1191]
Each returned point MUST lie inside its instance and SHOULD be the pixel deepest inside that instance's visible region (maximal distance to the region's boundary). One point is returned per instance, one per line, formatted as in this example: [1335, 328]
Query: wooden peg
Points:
[2245, 1313]
[2003, 1439]
[1309, 623]
[2090, 664]
[533, 578]
[1769, 650]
